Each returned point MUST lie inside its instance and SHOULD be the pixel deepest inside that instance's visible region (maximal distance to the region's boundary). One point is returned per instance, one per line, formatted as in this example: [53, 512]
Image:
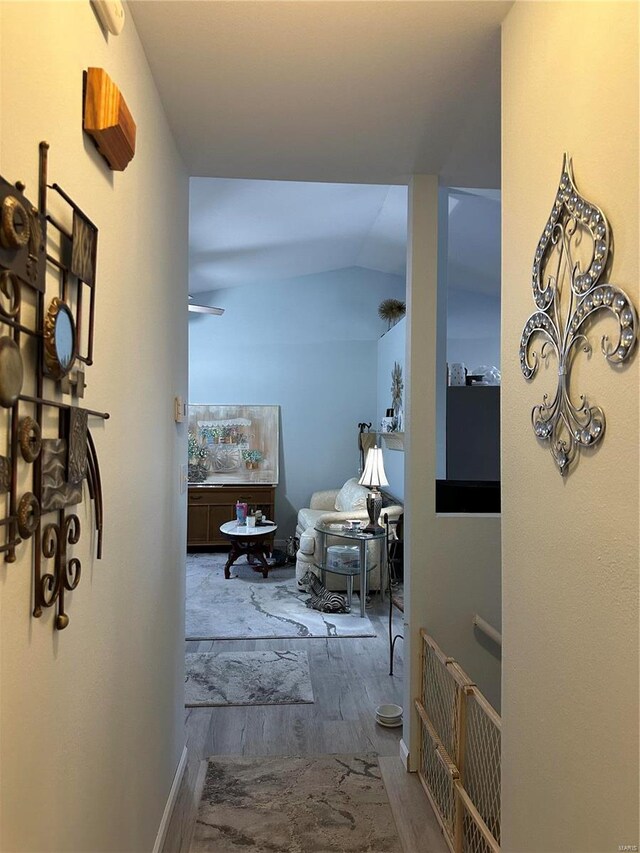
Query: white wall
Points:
[308, 345]
[91, 718]
[391, 349]
[473, 277]
[452, 564]
[570, 545]
[473, 329]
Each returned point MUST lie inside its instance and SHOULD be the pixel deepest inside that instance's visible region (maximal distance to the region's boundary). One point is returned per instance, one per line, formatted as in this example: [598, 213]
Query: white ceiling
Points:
[243, 231]
[369, 91]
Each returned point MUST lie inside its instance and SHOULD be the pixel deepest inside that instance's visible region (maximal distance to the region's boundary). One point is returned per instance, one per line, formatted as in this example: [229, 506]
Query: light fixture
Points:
[374, 476]
[195, 308]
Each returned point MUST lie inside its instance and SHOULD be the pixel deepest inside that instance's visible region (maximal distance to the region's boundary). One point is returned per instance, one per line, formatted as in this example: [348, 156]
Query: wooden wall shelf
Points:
[107, 119]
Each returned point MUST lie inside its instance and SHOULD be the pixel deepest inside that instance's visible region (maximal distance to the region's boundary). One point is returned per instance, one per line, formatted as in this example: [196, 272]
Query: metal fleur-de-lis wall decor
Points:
[574, 250]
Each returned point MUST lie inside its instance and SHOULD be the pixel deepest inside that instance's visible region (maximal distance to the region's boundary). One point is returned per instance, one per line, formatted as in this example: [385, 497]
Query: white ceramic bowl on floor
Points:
[389, 712]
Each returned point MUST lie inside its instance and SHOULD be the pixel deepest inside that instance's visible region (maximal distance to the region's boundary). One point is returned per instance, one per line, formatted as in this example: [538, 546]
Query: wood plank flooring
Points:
[350, 678]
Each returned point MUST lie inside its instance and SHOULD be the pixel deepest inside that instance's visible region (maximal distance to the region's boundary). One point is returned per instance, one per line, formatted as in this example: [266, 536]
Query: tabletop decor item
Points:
[391, 310]
[573, 254]
[366, 439]
[47, 350]
[457, 373]
[397, 387]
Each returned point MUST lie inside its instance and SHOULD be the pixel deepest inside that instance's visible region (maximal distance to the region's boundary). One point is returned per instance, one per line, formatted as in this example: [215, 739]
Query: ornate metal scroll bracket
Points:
[573, 254]
[66, 570]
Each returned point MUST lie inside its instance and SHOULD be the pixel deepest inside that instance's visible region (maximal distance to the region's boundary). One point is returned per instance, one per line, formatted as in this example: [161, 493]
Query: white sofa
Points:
[335, 506]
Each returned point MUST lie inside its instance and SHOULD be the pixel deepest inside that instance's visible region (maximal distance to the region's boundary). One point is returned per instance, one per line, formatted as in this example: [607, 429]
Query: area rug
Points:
[250, 607]
[247, 678]
[314, 804]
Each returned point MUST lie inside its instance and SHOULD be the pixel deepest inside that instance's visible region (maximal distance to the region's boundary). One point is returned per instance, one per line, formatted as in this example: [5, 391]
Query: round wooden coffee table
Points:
[250, 541]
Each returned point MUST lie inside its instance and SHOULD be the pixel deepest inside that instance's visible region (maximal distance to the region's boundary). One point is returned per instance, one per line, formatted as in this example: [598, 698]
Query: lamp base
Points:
[374, 508]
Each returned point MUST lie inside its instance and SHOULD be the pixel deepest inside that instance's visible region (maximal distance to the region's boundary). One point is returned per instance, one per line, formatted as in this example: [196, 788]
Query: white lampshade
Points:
[373, 474]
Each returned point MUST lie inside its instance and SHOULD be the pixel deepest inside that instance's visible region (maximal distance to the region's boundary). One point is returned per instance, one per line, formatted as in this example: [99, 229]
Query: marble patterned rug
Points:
[250, 607]
[311, 804]
[247, 678]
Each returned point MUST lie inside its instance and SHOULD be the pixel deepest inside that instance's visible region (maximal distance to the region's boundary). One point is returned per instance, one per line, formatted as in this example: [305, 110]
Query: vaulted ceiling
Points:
[367, 92]
[244, 232]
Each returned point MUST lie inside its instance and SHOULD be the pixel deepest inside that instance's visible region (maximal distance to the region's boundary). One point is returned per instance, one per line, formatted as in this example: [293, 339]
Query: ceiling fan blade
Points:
[205, 309]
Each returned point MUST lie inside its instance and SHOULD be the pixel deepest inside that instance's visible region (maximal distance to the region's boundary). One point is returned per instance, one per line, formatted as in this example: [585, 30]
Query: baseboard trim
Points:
[404, 756]
[173, 793]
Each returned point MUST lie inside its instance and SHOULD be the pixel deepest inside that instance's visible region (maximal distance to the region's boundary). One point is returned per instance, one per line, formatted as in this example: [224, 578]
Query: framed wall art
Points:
[233, 444]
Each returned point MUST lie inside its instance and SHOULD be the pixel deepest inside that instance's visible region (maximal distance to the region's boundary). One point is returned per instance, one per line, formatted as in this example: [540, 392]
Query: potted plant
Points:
[252, 458]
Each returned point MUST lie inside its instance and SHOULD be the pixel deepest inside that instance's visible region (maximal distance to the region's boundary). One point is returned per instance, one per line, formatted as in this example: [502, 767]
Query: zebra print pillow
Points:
[321, 599]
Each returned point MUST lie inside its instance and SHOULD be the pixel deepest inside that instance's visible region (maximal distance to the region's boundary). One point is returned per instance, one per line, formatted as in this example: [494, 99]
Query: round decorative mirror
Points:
[59, 339]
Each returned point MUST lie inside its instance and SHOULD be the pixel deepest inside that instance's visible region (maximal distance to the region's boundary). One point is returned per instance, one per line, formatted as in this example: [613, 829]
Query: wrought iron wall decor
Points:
[574, 252]
[61, 340]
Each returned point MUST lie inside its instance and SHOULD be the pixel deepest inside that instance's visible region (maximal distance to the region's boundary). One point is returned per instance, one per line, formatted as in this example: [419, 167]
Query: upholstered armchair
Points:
[335, 506]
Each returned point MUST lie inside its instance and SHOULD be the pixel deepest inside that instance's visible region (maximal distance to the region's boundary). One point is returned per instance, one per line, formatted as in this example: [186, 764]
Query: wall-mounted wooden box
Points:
[107, 119]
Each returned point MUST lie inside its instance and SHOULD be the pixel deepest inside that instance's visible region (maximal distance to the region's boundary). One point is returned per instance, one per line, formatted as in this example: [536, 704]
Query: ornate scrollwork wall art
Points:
[573, 253]
[61, 337]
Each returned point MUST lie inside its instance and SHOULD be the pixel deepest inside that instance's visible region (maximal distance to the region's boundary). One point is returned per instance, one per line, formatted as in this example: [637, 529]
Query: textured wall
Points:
[570, 546]
[91, 718]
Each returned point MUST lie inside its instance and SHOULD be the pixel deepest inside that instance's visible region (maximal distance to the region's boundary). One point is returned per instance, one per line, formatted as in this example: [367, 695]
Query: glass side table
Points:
[362, 540]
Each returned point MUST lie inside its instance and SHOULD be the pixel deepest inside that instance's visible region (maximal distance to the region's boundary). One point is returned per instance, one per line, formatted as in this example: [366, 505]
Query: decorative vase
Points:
[251, 465]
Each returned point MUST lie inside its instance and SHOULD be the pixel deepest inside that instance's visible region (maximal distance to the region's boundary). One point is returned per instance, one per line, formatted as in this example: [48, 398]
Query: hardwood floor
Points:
[350, 678]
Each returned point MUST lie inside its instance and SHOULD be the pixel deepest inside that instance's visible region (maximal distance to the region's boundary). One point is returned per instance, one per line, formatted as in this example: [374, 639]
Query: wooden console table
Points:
[211, 506]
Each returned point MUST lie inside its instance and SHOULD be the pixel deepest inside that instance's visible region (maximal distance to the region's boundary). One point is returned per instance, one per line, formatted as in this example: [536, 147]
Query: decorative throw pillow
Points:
[351, 496]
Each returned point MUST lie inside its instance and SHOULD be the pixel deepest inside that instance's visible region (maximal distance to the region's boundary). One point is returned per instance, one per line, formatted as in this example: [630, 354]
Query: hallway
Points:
[350, 678]
[423, 95]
